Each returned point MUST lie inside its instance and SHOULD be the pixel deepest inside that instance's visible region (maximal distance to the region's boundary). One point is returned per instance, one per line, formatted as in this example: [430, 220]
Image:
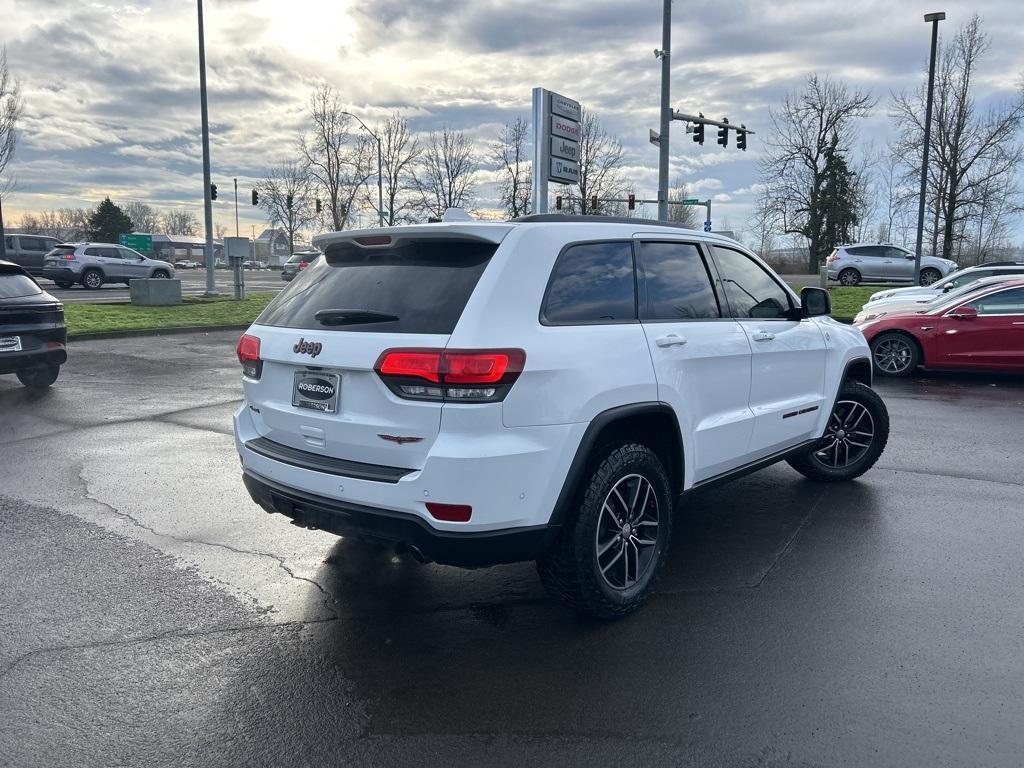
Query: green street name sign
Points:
[690, 201]
[136, 242]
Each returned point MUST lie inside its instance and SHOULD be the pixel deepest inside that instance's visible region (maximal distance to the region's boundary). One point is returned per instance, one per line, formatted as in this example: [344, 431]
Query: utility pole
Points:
[380, 169]
[666, 108]
[236, 207]
[211, 286]
[934, 19]
[3, 239]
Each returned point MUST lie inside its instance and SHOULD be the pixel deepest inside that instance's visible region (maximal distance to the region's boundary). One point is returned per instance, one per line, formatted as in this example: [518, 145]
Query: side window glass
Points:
[9, 243]
[751, 291]
[110, 253]
[129, 255]
[31, 244]
[677, 284]
[592, 283]
[92, 251]
[1009, 302]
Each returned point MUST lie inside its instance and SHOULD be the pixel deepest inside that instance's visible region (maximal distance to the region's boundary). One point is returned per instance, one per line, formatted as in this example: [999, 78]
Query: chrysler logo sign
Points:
[315, 388]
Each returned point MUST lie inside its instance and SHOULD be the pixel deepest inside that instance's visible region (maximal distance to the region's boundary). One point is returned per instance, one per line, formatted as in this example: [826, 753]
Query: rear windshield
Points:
[15, 285]
[424, 285]
[60, 250]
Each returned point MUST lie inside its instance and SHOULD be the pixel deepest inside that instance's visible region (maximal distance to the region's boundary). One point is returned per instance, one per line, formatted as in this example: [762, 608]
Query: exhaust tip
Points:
[411, 549]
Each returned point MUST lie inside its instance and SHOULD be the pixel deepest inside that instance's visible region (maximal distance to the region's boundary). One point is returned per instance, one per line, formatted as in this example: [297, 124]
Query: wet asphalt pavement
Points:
[151, 614]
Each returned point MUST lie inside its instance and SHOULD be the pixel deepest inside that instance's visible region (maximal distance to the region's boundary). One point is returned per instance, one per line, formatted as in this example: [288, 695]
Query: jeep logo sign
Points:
[315, 388]
[311, 348]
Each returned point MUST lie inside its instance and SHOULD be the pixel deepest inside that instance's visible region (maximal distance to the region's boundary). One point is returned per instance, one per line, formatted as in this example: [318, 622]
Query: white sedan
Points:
[921, 303]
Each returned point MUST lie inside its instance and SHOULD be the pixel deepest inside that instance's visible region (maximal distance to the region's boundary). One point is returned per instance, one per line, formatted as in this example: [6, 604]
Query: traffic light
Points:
[288, 202]
[213, 191]
[741, 138]
[558, 202]
[255, 197]
[723, 133]
[632, 201]
[318, 206]
[593, 204]
[698, 133]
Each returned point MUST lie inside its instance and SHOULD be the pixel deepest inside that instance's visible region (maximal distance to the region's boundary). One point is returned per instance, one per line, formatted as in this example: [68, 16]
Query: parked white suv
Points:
[547, 388]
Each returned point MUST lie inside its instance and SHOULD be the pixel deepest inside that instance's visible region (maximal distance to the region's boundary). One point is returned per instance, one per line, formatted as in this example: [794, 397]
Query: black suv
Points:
[33, 336]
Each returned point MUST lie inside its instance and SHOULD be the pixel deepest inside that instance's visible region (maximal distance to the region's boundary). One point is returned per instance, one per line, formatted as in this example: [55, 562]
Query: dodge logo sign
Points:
[310, 348]
[315, 388]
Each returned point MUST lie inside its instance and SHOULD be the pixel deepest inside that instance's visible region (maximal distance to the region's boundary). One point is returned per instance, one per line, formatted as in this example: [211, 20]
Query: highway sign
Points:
[690, 201]
[137, 242]
[565, 171]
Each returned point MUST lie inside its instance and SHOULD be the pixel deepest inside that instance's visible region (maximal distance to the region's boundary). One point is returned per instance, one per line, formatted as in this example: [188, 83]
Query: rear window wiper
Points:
[352, 316]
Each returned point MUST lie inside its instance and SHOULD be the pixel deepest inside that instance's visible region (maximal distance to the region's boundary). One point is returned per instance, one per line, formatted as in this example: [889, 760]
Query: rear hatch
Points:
[322, 337]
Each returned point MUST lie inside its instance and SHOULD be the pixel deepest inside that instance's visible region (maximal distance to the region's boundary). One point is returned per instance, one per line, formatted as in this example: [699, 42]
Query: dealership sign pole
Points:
[556, 143]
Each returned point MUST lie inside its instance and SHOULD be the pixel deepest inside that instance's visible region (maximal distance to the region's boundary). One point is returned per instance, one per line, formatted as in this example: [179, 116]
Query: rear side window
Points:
[33, 244]
[15, 285]
[751, 291]
[592, 283]
[676, 282]
[418, 287]
[1009, 302]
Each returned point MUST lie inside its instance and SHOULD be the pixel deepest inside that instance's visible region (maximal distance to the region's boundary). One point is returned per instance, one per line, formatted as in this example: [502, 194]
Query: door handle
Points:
[763, 336]
[671, 340]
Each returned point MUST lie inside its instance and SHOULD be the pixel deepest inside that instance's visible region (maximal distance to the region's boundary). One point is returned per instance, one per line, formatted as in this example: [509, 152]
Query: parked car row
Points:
[978, 326]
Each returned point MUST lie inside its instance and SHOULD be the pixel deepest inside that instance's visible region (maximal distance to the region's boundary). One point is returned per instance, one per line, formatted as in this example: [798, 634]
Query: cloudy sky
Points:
[112, 105]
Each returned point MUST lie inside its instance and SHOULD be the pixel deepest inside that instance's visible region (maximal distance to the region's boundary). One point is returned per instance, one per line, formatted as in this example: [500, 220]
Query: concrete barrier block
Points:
[155, 292]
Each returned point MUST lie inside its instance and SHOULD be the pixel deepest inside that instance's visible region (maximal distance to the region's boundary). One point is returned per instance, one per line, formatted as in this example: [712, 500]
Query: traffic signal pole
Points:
[666, 108]
[211, 286]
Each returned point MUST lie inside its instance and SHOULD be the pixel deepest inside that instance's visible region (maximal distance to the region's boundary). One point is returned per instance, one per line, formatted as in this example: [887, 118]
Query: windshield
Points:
[418, 287]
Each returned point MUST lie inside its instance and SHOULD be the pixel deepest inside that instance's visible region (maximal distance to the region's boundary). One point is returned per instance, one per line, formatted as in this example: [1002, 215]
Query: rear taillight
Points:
[249, 356]
[832, 257]
[69, 256]
[303, 264]
[451, 375]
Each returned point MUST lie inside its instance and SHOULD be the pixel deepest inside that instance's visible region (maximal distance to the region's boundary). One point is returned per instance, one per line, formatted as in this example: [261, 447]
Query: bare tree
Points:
[601, 166]
[974, 152]
[286, 195]
[10, 113]
[145, 218]
[399, 152]
[684, 215]
[180, 222]
[763, 223]
[338, 161]
[219, 230]
[511, 155]
[445, 177]
[811, 126]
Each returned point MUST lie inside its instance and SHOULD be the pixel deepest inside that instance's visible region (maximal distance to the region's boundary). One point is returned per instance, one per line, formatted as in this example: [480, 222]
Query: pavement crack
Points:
[278, 559]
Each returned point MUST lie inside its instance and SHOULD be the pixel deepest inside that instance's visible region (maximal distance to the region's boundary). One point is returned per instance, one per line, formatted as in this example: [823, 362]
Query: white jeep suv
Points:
[547, 388]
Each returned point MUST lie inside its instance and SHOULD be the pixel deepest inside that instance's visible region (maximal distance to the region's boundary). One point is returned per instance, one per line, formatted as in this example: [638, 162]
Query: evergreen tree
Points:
[108, 222]
[837, 204]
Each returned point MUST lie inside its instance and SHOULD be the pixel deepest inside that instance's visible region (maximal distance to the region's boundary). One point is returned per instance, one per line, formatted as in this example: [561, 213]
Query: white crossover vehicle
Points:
[953, 281]
[542, 389]
[917, 303]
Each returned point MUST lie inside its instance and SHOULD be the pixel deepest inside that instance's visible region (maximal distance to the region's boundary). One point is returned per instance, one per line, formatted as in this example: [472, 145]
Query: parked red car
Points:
[982, 330]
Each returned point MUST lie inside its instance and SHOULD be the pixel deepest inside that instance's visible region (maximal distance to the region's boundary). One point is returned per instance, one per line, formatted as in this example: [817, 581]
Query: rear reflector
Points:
[450, 513]
[249, 356]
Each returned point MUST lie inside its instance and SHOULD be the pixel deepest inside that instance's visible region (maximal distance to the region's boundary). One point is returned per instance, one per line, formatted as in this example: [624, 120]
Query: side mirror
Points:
[964, 313]
[909, 257]
[815, 302]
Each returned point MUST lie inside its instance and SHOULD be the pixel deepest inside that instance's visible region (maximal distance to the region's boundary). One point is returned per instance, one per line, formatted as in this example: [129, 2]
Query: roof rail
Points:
[558, 218]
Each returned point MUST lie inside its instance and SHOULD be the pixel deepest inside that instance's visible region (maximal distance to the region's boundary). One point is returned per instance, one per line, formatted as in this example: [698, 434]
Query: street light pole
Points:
[236, 207]
[211, 286]
[666, 109]
[934, 19]
[380, 169]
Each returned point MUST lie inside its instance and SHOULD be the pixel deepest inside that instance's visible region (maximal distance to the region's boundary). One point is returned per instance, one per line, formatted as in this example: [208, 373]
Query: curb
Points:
[128, 333]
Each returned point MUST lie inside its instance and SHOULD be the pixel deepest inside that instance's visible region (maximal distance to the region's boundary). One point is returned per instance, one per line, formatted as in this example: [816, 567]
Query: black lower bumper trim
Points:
[468, 550]
[12, 362]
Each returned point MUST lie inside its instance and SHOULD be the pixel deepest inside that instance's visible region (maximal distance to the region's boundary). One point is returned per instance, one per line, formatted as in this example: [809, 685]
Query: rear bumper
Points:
[12, 362]
[60, 275]
[465, 549]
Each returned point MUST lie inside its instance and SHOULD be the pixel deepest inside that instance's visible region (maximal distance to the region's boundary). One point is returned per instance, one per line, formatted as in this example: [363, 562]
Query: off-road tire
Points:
[39, 378]
[569, 569]
[811, 466]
